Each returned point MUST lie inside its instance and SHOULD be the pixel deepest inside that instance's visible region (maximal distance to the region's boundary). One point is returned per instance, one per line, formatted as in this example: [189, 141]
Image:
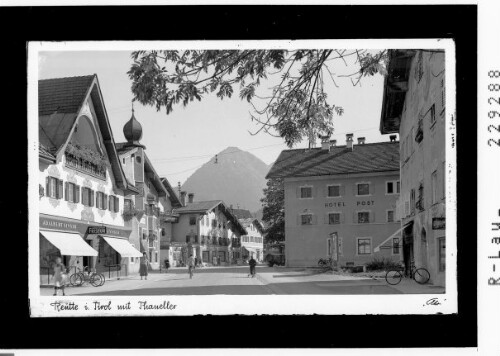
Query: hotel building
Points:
[340, 201]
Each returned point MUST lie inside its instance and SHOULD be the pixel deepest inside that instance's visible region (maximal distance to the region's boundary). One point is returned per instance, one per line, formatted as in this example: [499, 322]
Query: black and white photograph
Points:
[240, 171]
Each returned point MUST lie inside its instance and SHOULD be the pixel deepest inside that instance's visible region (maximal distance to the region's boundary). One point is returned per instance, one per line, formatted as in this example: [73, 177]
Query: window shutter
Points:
[105, 202]
[117, 204]
[77, 193]
[111, 201]
[92, 198]
[59, 189]
[66, 191]
[47, 186]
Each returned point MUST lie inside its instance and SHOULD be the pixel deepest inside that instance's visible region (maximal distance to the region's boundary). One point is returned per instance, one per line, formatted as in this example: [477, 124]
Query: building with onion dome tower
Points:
[148, 214]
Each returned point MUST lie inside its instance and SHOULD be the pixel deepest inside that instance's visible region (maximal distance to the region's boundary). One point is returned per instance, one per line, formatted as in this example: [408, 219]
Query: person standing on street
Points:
[252, 264]
[167, 264]
[143, 269]
[191, 265]
[59, 276]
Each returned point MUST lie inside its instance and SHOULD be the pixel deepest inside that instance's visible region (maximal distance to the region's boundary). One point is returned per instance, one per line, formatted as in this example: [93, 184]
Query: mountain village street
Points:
[235, 280]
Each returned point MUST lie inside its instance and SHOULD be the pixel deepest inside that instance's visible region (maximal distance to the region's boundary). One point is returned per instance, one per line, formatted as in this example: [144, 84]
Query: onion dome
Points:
[133, 130]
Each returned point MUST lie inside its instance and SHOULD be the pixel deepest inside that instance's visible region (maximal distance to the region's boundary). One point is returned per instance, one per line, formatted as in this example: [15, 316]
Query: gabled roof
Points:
[44, 153]
[364, 158]
[59, 102]
[206, 206]
[242, 213]
[174, 199]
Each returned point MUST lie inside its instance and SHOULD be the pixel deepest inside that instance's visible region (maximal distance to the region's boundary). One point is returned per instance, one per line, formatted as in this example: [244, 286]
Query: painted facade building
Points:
[340, 199]
[207, 230]
[414, 107]
[81, 182]
[252, 244]
[149, 213]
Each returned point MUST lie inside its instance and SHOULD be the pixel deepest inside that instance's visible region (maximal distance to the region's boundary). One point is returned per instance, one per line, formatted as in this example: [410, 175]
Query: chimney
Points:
[333, 143]
[183, 198]
[361, 140]
[190, 198]
[393, 138]
[325, 142]
[348, 140]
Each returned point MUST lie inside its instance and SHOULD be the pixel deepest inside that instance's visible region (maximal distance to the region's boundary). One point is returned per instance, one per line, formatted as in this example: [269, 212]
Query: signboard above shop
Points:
[438, 223]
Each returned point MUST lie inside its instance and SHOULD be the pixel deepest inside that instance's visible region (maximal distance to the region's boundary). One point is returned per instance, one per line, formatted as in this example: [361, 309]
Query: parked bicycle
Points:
[420, 275]
[325, 262]
[86, 276]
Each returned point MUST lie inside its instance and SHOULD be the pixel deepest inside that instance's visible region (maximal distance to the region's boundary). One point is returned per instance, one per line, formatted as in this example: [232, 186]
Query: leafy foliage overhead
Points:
[296, 104]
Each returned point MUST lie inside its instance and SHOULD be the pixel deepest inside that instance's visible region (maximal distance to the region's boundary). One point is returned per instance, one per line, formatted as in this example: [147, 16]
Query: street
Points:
[235, 281]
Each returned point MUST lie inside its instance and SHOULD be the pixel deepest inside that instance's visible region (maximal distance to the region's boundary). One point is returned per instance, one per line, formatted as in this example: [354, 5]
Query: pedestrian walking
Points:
[191, 265]
[60, 276]
[252, 264]
[143, 269]
[167, 264]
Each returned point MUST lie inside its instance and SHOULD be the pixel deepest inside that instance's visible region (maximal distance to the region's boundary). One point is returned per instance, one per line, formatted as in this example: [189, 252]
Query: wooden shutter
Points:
[117, 204]
[77, 193]
[60, 191]
[92, 198]
[66, 197]
[111, 201]
[105, 202]
[47, 186]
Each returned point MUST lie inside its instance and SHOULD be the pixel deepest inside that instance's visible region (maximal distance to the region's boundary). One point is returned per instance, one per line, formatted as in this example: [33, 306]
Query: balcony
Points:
[85, 166]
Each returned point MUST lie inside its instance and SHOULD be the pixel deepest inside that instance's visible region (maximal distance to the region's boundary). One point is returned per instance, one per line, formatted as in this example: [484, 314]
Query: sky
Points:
[179, 143]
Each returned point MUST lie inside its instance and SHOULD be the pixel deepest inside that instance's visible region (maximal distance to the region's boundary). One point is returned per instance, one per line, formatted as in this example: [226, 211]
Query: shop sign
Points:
[338, 204]
[438, 223]
[53, 223]
[107, 230]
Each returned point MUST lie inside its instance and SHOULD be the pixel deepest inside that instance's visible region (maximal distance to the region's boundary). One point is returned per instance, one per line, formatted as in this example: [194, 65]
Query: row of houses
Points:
[384, 200]
[101, 202]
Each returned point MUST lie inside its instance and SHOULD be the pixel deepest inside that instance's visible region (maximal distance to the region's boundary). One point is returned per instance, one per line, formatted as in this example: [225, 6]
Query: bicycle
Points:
[79, 278]
[325, 262]
[420, 275]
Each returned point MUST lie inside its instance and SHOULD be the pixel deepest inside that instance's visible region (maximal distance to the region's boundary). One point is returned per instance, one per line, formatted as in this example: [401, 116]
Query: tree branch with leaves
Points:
[296, 104]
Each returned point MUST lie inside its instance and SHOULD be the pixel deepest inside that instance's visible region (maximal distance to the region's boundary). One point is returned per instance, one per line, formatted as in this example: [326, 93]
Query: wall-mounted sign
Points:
[338, 204]
[108, 230]
[96, 230]
[438, 223]
[365, 202]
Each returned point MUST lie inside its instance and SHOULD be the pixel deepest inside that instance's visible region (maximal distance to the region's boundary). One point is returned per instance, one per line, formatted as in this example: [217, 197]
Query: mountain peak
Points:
[238, 178]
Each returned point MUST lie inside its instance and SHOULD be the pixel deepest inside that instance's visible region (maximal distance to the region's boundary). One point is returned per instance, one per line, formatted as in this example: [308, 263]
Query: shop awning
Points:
[69, 244]
[396, 234]
[122, 246]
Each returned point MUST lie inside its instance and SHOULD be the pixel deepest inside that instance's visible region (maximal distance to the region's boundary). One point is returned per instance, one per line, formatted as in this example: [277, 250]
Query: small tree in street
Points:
[295, 106]
[274, 211]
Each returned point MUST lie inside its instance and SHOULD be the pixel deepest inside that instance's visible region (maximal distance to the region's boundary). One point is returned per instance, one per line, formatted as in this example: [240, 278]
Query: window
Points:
[442, 254]
[54, 188]
[124, 163]
[395, 246]
[306, 219]
[87, 196]
[363, 189]
[434, 186]
[392, 187]
[334, 218]
[101, 201]
[364, 246]
[432, 114]
[306, 192]
[214, 223]
[114, 204]
[334, 190]
[192, 220]
[72, 192]
[156, 256]
[390, 216]
[363, 217]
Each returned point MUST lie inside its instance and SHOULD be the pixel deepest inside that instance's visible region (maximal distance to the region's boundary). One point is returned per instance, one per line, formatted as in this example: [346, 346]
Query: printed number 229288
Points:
[494, 114]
